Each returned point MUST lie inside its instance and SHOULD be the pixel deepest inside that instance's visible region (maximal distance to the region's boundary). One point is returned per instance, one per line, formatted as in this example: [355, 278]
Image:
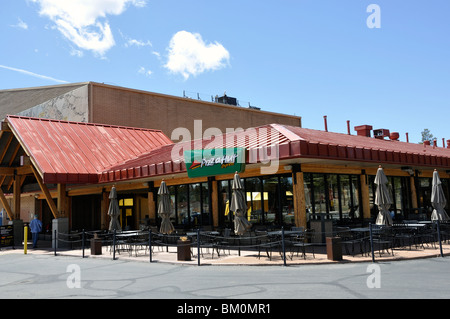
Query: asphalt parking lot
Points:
[45, 276]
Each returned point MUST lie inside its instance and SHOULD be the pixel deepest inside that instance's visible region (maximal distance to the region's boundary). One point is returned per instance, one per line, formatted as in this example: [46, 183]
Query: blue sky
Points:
[305, 57]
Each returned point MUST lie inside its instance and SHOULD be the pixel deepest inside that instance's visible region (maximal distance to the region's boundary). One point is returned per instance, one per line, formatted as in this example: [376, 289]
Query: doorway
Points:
[126, 206]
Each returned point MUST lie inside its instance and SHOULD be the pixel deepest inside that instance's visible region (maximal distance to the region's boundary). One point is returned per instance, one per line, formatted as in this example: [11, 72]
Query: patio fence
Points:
[275, 245]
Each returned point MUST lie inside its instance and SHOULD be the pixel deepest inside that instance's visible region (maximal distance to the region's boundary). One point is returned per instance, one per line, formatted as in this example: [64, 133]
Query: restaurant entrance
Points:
[126, 206]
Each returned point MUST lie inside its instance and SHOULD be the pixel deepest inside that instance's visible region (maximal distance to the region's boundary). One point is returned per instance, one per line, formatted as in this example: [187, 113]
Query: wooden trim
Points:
[6, 205]
[299, 200]
[46, 192]
[62, 205]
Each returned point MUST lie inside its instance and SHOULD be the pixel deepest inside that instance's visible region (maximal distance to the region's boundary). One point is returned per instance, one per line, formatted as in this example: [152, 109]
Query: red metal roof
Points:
[74, 152]
[291, 142]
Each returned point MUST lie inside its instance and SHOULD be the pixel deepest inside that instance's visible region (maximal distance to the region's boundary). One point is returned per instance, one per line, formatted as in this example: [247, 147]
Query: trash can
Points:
[184, 250]
[96, 246]
[334, 248]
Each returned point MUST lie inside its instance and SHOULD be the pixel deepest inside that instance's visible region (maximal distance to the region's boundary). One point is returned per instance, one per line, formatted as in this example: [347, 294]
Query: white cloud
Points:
[81, 21]
[21, 25]
[190, 55]
[138, 43]
[32, 74]
[144, 71]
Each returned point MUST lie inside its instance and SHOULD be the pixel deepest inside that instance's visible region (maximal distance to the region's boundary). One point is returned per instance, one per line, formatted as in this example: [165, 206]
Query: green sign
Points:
[211, 162]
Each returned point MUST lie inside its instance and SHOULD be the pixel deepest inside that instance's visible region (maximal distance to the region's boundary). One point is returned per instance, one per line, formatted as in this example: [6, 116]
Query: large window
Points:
[336, 196]
[400, 189]
[269, 200]
[191, 204]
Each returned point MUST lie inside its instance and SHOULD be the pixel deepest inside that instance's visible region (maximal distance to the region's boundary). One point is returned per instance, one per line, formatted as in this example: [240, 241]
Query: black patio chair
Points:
[302, 242]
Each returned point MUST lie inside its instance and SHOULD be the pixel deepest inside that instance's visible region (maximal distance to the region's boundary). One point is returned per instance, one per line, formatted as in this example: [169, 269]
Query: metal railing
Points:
[374, 239]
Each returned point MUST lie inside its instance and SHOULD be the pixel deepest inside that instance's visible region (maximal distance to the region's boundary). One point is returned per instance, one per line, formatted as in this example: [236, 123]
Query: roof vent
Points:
[226, 100]
[381, 133]
[394, 136]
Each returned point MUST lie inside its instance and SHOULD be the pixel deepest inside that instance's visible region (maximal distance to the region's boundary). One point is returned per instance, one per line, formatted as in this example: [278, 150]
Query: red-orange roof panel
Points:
[74, 152]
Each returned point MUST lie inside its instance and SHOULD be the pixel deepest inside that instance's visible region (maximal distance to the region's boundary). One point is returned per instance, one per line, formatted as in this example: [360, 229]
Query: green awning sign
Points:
[211, 162]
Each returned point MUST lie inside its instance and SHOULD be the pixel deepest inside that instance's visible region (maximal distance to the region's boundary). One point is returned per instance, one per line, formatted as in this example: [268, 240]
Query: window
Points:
[270, 200]
[336, 195]
[400, 190]
[191, 204]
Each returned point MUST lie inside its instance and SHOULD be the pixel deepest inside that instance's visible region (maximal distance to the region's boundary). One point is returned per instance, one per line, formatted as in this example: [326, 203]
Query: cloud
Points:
[144, 71]
[190, 55]
[32, 74]
[82, 21]
[138, 43]
[21, 25]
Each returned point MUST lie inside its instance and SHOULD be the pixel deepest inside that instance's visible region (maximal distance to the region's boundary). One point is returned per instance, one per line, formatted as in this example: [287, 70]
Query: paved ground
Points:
[243, 257]
[40, 274]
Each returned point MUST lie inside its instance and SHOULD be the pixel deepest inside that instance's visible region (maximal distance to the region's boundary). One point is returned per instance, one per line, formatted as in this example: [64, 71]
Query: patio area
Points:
[292, 248]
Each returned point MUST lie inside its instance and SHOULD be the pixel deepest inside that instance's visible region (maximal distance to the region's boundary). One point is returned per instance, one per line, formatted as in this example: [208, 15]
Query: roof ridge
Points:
[83, 123]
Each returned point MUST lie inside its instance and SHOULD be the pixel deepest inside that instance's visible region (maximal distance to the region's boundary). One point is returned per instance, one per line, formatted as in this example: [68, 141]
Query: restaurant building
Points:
[293, 176]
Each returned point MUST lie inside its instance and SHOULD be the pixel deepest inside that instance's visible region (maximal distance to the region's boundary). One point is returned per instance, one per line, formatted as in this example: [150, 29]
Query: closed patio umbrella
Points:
[114, 211]
[239, 206]
[438, 199]
[382, 199]
[165, 209]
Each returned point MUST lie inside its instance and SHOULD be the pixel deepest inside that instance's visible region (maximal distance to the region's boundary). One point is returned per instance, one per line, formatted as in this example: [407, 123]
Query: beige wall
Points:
[122, 106]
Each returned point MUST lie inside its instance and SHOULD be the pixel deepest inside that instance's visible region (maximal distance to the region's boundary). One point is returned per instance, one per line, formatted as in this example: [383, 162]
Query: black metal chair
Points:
[302, 242]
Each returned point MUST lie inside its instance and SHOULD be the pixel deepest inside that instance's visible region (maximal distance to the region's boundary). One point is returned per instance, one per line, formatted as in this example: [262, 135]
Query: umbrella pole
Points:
[439, 237]
[114, 245]
[371, 242]
[82, 242]
[198, 247]
[282, 244]
[150, 244]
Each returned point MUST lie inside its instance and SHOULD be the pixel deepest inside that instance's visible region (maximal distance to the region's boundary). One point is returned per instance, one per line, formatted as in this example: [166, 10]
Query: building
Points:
[293, 176]
[113, 105]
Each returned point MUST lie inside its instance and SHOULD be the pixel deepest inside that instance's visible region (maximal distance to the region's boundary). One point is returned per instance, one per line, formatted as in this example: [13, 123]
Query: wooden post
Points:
[215, 203]
[365, 196]
[104, 206]
[46, 192]
[6, 205]
[62, 205]
[16, 197]
[413, 192]
[151, 202]
[299, 200]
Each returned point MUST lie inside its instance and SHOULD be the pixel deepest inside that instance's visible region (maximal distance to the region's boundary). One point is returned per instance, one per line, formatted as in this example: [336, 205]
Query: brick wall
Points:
[122, 106]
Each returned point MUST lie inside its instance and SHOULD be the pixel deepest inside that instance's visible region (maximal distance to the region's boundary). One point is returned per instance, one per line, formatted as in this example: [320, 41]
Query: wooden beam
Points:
[16, 197]
[215, 203]
[365, 196]
[7, 171]
[62, 205]
[104, 210]
[6, 205]
[46, 192]
[299, 200]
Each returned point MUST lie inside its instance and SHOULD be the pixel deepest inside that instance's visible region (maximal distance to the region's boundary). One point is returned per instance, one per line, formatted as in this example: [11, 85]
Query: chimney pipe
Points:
[443, 142]
[407, 138]
[348, 127]
[325, 121]
[448, 143]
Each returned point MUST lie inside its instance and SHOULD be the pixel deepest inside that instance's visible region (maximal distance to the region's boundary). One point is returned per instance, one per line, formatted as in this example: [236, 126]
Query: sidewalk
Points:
[245, 257]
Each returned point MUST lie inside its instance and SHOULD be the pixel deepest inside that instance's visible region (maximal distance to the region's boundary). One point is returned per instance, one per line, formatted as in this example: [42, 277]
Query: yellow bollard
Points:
[25, 239]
